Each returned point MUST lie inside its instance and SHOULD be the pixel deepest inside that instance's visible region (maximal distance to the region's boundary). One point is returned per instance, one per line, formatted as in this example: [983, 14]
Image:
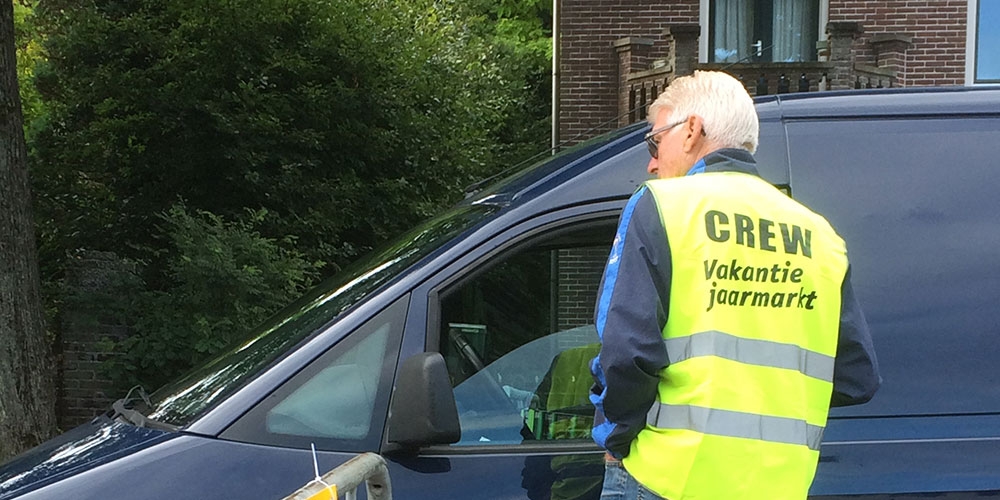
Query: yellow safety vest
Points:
[751, 337]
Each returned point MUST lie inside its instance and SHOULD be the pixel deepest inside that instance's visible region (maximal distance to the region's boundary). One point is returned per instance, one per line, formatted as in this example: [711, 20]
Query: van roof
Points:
[611, 166]
[908, 101]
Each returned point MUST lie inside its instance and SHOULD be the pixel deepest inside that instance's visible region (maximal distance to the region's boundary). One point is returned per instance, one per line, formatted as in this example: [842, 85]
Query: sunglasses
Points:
[652, 143]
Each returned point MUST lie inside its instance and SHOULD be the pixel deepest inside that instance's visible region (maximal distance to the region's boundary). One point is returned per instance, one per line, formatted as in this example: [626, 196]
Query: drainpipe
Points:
[555, 76]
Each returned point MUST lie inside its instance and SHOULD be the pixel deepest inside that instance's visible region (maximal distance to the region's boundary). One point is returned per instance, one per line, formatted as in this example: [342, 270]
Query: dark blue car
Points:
[500, 290]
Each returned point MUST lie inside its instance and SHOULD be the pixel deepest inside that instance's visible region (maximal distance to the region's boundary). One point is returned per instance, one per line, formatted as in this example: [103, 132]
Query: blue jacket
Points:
[632, 309]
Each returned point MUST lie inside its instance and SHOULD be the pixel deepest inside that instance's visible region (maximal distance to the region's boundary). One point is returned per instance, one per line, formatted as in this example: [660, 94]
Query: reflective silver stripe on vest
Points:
[752, 352]
[735, 424]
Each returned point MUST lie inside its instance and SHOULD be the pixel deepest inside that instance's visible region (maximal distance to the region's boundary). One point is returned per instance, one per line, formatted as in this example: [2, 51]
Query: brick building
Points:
[614, 56]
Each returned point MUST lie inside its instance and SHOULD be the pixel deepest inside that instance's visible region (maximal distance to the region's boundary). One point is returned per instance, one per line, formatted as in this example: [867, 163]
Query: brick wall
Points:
[83, 391]
[588, 68]
[579, 277]
[898, 43]
[938, 28]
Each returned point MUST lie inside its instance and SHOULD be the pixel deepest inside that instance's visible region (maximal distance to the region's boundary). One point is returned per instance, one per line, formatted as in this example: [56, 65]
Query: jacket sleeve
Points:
[630, 314]
[855, 373]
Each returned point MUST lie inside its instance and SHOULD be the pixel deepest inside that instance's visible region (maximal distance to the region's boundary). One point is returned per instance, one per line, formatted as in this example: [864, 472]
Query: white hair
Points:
[727, 110]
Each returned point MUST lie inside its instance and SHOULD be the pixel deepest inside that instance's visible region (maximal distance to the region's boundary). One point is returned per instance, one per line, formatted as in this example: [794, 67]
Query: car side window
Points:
[333, 401]
[517, 335]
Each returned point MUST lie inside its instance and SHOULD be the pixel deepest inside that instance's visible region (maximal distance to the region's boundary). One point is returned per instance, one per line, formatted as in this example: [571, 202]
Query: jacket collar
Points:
[726, 160]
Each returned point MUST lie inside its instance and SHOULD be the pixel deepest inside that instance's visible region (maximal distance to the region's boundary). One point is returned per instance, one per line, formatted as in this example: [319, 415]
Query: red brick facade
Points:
[938, 28]
[588, 67]
[611, 48]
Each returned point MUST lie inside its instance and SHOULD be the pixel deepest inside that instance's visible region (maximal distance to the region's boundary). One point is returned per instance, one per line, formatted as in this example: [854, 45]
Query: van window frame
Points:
[518, 235]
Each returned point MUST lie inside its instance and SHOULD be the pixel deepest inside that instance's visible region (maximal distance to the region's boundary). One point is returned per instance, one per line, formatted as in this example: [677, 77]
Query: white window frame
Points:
[703, 22]
[971, 30]
[972, 35]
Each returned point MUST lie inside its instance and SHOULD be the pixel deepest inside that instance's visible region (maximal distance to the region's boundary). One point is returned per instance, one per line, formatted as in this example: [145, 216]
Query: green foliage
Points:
[26, 40]
[223, 279]
[517, 35]
[334, 123]
[348, 121]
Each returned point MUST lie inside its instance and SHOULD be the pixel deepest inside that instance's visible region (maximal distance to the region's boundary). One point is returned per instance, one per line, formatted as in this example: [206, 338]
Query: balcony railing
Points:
[839, 66]
[759, 79]
[871, 77]
[643, 87]
[779, 78]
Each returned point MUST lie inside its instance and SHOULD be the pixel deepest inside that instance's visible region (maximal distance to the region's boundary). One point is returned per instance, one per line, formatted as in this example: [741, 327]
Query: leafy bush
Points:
[223, 279]
[299, 134]
[347, 121]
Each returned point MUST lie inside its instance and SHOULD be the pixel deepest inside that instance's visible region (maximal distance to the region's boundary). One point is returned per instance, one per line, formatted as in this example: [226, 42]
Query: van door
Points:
[916, 201]
[514, 323]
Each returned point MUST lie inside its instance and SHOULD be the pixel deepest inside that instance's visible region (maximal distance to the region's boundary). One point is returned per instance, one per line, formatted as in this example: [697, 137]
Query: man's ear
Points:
[694, 133]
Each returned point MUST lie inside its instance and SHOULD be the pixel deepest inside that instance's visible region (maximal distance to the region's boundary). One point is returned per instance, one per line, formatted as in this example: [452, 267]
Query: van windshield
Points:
[179, 402]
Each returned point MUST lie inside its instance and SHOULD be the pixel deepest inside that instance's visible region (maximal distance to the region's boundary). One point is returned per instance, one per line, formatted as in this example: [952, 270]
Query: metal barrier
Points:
[369, 468]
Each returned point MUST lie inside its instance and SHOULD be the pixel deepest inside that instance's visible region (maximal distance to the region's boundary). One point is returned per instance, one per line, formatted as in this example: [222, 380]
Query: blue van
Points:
[459, 352]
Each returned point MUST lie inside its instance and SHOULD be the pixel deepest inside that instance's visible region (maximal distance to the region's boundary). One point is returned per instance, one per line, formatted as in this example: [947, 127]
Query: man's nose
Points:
[653, 167]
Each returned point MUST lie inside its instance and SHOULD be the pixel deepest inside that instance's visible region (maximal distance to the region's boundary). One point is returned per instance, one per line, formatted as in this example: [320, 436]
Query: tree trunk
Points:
[27, 395]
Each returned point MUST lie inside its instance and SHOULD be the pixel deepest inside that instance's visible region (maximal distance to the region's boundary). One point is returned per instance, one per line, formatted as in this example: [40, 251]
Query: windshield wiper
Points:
[135, 417]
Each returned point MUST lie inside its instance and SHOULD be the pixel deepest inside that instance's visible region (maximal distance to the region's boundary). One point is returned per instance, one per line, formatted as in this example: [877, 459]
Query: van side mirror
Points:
[423, 412]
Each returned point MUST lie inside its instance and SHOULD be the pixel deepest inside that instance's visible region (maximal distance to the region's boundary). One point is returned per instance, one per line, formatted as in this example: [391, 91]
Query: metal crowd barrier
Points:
[369, 468]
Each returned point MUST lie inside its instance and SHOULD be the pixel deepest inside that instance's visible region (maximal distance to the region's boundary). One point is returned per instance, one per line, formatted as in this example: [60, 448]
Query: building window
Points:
[985, 32]
[762, 30]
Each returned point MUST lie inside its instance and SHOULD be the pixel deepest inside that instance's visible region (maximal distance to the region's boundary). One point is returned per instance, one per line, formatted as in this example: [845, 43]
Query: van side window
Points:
[517, 335]
[333, 401]
[916, 202]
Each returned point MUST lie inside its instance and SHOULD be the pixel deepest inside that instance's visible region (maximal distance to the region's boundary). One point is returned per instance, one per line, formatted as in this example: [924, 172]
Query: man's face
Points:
[670, 161]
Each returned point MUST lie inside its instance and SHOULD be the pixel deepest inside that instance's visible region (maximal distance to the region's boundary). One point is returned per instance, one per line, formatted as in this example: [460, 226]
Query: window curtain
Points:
[795, 30]
[733, 30]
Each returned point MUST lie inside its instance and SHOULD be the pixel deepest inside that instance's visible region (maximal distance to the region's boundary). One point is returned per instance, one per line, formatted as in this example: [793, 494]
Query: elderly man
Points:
[727, 319]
